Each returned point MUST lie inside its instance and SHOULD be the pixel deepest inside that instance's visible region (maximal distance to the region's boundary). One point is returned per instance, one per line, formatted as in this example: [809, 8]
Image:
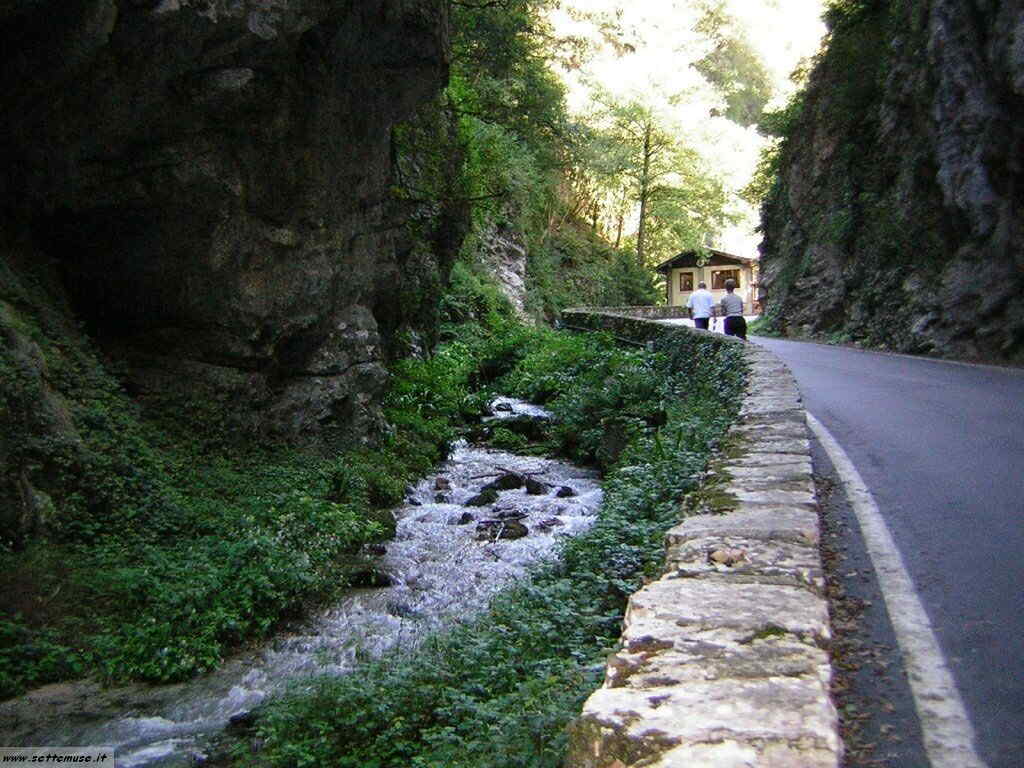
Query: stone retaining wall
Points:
[653, 312]
[724, 659]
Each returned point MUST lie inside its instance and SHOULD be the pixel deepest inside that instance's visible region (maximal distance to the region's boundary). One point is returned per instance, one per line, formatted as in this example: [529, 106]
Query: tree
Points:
[500, 73]
[733, 67]
[676, 199]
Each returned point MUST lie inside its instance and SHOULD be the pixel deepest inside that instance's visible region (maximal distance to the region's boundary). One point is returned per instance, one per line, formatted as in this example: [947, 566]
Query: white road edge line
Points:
[947, 731]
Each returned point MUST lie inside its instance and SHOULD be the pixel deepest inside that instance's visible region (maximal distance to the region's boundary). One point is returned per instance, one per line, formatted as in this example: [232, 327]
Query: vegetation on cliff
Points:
[522, 147]
[559, 190]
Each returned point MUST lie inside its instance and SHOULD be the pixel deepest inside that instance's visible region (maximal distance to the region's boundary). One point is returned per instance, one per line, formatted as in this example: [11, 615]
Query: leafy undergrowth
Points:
[765, 325]
[157, 576]
[499, 690]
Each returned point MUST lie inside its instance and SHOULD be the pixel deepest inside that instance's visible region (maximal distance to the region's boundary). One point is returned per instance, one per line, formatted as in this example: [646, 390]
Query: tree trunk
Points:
[644, 192]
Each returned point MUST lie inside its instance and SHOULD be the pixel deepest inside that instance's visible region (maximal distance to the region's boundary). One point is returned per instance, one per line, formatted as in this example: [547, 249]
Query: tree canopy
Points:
[624, 171]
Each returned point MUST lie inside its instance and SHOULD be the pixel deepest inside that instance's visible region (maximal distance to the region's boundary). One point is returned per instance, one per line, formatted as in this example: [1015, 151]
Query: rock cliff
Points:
[210, 179]
[898, 216]
[504, 254]
[198, 207]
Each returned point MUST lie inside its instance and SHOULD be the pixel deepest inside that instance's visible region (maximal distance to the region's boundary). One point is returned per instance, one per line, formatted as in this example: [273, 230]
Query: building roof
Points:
[689, 259]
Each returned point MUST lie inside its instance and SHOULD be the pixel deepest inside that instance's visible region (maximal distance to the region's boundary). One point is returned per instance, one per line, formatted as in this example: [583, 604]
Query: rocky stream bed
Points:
[463, 534]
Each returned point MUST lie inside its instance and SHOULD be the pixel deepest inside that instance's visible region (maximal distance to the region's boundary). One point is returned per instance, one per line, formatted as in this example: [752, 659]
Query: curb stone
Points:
[724, 659]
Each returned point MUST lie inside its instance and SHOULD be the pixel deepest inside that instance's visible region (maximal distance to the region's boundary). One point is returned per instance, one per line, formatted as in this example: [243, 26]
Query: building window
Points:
[686, 281]
[719, 276]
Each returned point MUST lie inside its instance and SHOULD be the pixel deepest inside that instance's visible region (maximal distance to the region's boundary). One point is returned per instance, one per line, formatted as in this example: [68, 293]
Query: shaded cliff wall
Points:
[898, 215]
[197, 206]
[210, 180]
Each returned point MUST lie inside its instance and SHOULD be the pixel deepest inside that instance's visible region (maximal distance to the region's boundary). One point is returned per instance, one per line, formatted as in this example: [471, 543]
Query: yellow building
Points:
[683, 273]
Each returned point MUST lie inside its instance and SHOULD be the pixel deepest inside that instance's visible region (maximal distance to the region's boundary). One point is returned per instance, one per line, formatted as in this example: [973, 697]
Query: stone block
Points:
[694, 605]
[780, 382]
[769, 444]
[772, 495]
[769, 374]
[760, 521]
[766, 459]
[769, 478]
[655, 653]
[715, 655]
[780, 721]
[761, 405]
[733, 754]
[796, 469]
[747, 560]
[777, 428]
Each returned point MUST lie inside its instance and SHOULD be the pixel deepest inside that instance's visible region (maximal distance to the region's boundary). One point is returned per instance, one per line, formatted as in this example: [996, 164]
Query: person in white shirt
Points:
[732, 308]
[700, 304]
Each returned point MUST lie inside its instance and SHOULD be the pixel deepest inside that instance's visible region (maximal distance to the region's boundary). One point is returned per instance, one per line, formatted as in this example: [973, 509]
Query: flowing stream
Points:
[446, 561]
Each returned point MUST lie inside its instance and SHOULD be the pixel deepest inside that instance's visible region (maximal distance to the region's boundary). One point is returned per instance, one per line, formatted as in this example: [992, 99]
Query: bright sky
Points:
[661, 34]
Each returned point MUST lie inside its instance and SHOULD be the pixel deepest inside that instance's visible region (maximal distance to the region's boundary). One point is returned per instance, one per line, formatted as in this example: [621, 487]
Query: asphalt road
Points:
[941, 448]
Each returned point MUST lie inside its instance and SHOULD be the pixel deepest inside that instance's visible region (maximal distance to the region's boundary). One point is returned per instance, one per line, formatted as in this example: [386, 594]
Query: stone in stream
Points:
[442, 484]
[482, 499]
[241, 720]
[506, 482]
[464, 519]
[565, 492]
[371, 577]
[535, 487]
[479, 433]
[402, 611]
[491, 530]
[546, 525]
[362, 571]
[509, 514]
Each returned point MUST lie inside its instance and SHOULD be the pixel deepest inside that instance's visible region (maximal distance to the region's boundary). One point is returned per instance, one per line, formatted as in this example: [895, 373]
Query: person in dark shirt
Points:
[732, 308]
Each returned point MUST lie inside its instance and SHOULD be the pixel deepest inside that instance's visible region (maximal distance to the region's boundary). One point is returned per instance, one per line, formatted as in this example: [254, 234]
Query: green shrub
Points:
[29, 658]
[178, 608]
[572, 266]
[507, 440]
[472, 303]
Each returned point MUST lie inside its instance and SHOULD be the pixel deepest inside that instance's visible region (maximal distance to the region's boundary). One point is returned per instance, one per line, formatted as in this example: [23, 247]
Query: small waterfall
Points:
[452, 551]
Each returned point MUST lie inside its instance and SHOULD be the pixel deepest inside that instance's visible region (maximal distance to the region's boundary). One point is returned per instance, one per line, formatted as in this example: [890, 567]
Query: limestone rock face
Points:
[505, 255]
[898, 218]
[212, 176]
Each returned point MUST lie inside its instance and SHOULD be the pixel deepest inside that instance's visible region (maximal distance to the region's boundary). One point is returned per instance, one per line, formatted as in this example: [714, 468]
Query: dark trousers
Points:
[701, 322]
[736, 325]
